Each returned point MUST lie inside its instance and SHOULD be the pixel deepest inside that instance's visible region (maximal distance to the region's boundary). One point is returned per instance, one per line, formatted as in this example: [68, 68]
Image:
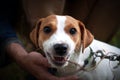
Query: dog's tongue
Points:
[59, 58]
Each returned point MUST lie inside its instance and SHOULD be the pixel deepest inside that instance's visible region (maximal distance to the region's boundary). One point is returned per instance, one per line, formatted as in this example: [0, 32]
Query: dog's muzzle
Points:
[60, 54]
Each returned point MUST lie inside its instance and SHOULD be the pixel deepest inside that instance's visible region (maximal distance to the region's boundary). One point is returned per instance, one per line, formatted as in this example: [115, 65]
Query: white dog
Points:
[72, 49]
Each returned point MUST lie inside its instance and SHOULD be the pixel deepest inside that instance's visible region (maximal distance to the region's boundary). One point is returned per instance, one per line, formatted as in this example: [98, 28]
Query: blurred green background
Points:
[116, 39]
[14, 72]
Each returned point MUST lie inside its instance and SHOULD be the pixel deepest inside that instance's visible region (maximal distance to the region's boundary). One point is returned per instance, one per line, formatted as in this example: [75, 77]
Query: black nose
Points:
[61, 49]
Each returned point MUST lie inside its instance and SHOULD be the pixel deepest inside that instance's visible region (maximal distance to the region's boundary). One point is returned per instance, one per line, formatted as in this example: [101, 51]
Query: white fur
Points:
[103, 71]
[58, 37]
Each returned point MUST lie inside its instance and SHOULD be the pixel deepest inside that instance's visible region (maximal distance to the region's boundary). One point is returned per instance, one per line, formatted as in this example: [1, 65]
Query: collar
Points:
[91, 55]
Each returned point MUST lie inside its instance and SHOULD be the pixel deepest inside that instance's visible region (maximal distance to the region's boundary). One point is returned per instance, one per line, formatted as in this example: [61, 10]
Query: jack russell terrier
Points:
[72, 49]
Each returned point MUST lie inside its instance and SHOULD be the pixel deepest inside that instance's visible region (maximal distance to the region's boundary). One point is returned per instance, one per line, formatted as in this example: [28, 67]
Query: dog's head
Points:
[59, 37]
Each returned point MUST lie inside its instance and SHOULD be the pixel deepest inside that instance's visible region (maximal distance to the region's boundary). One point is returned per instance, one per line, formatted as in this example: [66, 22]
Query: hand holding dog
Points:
[34, 63]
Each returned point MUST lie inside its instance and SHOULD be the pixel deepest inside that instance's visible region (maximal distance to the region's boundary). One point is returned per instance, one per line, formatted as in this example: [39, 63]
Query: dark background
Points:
[101, 17]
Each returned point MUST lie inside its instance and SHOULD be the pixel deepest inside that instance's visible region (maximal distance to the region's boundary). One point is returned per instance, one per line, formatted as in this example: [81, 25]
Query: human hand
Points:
[33, 62]
[38, 66]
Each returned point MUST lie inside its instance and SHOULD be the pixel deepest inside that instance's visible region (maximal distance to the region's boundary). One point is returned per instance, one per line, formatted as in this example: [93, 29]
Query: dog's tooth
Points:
[59, 58]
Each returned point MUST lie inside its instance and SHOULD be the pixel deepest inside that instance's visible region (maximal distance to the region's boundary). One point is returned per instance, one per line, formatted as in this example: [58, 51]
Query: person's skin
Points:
[33, 62]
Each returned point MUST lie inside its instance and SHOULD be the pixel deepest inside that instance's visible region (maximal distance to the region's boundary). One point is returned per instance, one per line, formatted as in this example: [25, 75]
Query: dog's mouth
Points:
[58, 60]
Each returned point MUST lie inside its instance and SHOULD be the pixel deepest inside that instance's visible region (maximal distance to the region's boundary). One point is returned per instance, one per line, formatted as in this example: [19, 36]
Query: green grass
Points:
[116, 39]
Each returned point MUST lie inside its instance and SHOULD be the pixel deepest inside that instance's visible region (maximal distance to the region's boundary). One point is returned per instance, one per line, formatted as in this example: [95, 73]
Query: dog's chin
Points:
[58, 61]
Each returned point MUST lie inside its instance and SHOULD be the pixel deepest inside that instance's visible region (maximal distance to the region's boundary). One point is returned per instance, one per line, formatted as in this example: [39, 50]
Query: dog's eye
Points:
[73, 31]
[47, 29]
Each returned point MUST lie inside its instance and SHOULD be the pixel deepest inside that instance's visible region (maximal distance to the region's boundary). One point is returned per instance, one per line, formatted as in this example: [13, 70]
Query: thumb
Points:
[45, 63]
[40, 59]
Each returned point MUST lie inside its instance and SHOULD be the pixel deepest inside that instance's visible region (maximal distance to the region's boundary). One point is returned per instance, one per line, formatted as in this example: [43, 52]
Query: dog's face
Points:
[60, 37]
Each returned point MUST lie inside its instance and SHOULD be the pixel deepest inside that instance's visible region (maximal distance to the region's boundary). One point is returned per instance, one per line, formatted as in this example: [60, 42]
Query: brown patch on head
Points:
[86, 36]
[72, 25]
[81, 37]
[43, 30]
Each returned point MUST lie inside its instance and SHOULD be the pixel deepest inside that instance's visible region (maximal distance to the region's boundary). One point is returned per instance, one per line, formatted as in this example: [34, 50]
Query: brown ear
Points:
[35, 33]
[86, 36]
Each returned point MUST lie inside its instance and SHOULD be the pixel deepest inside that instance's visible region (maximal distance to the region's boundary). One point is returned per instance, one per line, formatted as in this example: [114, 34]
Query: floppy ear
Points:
[86, 36]
[34, 34]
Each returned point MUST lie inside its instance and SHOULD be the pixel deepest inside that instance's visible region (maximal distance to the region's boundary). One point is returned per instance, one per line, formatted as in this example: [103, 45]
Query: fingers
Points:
[42, 74]
[39, 68]
[39, 59]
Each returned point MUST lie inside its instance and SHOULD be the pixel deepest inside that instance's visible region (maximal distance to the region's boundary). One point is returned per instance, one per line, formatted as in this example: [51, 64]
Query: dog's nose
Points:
[61, 49]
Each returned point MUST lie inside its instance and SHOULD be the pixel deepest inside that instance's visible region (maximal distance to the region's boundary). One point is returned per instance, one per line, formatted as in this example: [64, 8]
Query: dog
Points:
[72, 49]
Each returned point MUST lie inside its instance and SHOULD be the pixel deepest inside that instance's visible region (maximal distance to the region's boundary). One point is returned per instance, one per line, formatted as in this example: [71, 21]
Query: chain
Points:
[102, 55]
[113, 57]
